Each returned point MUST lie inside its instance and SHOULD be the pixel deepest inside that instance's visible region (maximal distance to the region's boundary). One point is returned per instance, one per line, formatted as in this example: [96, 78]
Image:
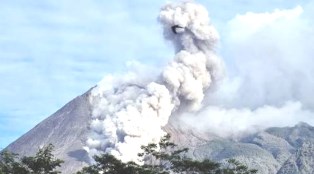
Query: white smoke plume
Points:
[270, 75]
[130, 112]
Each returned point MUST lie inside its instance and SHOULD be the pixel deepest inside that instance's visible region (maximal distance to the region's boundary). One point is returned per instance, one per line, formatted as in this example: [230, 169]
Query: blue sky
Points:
[52, 51]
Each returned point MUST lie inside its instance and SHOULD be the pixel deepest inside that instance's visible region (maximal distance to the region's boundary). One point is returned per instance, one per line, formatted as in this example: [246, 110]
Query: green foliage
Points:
[42, 163]
[9, 164]
[164, 158]
[108, 164]
[236, 167]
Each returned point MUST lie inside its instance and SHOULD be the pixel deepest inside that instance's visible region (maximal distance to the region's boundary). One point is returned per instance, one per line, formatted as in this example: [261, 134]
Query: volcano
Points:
[274, 150]
[120, 114]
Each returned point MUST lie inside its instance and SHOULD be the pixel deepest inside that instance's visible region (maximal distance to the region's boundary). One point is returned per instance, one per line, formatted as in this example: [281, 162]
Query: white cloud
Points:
[271, 63]
[244, 26]
[270, 74]
[236, 122]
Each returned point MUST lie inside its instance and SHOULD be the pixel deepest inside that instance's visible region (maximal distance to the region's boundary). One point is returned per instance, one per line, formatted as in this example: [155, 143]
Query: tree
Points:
[108, 164]
[43, 162]
[235, 167]
[9, 164]
[164, 158]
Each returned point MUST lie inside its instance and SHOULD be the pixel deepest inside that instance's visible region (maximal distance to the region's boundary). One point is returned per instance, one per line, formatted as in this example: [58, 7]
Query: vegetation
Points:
[168, 159]
[162, 158]
[42, 163]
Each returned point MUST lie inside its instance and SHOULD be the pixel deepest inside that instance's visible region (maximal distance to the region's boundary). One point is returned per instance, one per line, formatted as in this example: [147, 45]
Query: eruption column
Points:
[130, 114]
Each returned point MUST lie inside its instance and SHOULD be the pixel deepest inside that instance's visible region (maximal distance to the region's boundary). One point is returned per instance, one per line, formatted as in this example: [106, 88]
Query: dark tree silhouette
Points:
[168, 159]
[43, 162]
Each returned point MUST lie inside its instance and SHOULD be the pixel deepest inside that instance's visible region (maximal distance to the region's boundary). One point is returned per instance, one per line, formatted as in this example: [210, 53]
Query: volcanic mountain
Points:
[122, 113]
[275, 150]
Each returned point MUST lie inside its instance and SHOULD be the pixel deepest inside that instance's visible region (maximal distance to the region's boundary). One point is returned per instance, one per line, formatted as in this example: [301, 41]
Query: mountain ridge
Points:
[273, 150]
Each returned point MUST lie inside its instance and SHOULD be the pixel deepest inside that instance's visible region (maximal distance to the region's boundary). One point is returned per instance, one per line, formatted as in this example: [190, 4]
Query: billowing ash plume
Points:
[130, 113]
[270, 76]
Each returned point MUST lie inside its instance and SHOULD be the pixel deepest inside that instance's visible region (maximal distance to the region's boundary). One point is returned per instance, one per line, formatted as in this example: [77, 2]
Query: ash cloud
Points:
[270, 74]
[268, 81]
[130, 111]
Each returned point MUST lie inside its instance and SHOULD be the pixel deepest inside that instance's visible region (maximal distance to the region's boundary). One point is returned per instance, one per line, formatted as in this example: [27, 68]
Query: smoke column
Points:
[129, 112]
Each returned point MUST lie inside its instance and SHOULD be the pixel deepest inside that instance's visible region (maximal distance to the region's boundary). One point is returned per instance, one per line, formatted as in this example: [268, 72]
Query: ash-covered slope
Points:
[291, 147]
[274, 150]
[66, 130]
[301, 162]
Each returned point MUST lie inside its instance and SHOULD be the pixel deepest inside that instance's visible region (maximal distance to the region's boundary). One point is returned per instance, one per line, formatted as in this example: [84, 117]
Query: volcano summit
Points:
[190, 99]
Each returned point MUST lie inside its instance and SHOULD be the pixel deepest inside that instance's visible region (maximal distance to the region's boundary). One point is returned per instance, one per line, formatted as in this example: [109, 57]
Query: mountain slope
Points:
[282, 150]
[301, 162]
[65, 129]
